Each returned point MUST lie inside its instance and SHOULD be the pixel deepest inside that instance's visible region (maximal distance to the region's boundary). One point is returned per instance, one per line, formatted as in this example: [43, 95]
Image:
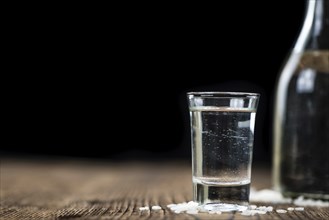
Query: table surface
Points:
[65, 189]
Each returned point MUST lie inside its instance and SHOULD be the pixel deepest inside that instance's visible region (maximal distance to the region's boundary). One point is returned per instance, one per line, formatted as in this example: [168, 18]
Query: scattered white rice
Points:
[145, 208]
[252, 206]
[268, 196]
[265, 208]
[249, 212]
[171, 205]
[265, 195]
[300, 201]
[296, 209]
[272, 196]
[192, 211]
[194, 208]
[299, 208]
[190, 207]
[253, 210]
[156, 207]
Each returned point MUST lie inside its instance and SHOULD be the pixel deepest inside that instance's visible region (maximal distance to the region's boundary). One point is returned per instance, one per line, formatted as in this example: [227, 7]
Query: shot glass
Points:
[222, 136]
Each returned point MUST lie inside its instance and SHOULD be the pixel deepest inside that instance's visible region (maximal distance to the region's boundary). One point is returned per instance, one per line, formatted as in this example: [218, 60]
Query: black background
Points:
[111, 82]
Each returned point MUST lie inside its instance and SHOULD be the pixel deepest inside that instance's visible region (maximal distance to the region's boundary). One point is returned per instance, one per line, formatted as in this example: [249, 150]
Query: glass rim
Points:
[217, 94]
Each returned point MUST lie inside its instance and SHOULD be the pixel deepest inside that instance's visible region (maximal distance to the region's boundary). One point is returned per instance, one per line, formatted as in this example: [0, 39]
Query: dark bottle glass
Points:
[301, 115]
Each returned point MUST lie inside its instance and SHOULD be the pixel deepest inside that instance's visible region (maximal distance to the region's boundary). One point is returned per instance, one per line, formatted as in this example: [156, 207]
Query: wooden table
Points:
[64, 189]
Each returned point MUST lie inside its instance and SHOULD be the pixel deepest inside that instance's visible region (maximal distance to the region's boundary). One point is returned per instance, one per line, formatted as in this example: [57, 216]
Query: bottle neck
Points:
[315, 32]
[320, 28]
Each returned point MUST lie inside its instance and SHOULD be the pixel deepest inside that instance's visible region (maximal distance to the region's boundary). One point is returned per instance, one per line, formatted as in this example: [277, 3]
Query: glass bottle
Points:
[301, 115]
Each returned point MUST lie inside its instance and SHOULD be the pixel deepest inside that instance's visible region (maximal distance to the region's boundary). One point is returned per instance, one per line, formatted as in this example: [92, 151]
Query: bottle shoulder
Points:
[317, 60]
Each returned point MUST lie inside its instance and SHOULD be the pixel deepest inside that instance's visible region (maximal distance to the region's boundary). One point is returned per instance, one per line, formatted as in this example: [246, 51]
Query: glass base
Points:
[224, 207]
[214, 194]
